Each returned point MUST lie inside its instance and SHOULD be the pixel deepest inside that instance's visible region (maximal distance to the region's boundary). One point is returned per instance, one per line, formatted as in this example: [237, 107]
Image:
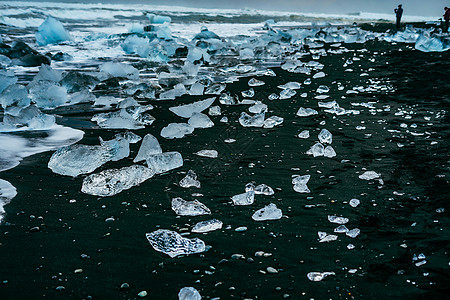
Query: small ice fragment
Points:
[246, 198]
[256, 120]
[196, 89]
[207, 153]
[164, 162]
[323, 89]
[326, 238]
[273, 121]
[241, 229]
[199, 120]
[264, 189]
[269, 212]
[300, 182]
[189, 208]
[176, 130]
[306, 112]
[350, 246]
[329, 152]
[304, 134]
[215, 89]
[291, 85]
[341, 229]
[330, 104]
[215, 111]
[224, 120]
[186, 111]
[248, 94]
[207, 226]
[318, 276]
[229, 141]
[7, 192]
[325, 137]
[190, 180]
[255, 82]
[316, 150]
[189, 293]
[149, 146]
[369, 175]
[287, 93]
[307, 81]
[338, 220]
[354, 202]
[353, 233]
[173, 244]
[273, 96]
[319, 75]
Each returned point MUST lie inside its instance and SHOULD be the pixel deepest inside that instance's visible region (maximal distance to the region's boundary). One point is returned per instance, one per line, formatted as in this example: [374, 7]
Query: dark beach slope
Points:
[402, 250]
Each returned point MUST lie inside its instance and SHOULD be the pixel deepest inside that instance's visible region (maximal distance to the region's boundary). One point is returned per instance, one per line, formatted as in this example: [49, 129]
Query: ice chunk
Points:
[433, 43]
[337, 220]
[189, 293]
[227, 99]
[246, 198]
[273, 96]
[7, 192]
[325, 137]
[322, 89]
[176, 130]
[273, 121]
[306, 112]
[248, 94]
[207, 226]
[318, 276]
[113, 181]
[326, 238]
[252, 121]
[293, 85]
[129, 136]
[173, 244]
[186, 111]
[316, 150]
[164, 162]
[269, 212]
[215, 89]
[255, 82]
[304, 134]
[177, 91]
[246, 53]
[258, 108]
[341, 229]
[51, 31]
[122, 119]
[353, 233]
[189, 208]
[215, 111]
[300, 182]
[329, 152]
[7, 78]
[120, 70]
[197, 54]
[157, 19]
[29, 117]
[369, 175]
[196, 89]
[199, 120]
[149, 146]
[287, 93]
[48, 95]
[319, 75]
[208, 153]
[190, 180]
[354, 202]
[264, 189]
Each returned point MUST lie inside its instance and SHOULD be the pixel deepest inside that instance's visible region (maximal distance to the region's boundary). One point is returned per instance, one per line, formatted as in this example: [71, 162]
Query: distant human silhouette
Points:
[398, 14]
[446, 18]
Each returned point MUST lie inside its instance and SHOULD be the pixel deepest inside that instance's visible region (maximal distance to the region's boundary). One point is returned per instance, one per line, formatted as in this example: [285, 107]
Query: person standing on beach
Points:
[398, 13]
[446, 19]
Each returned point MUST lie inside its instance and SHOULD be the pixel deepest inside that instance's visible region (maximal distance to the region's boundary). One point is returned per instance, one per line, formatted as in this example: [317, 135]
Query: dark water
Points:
[410, 208]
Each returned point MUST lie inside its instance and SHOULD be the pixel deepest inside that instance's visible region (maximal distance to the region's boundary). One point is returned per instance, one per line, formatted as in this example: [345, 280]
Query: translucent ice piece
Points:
[227, 99]
[304, 134]
[354, 202]
[329, 152]
[189, 293]
[208, 153]
[190, 180]
[215, 89]
[189, 208]
[326, 238]
[29, 117]
[322, 89]
[7, 192]
[113, 181]
[300, 182]
[273, 96]
[47, 94]
[149, 146]
[318, 276]
[122, 119]
[248, 94]
[287, 93]
[176, 130]
[246, 198]
[164, 162]
[293, 85]
[186, 111]
[120, 70]
[252, 121]
[199, 120]
[215, 111]
[7, 78]
[353, 233]
[173, 244]
[369, 175]
[269, 212]
[319, 75]
[273, 121]
[255, 82]
[207, 226]
[51, 31]
[177, 91]
[264, 189]
[196, 89]
[341, 229]
[316, 150]
[325, 137]
[306, 112]
[337, 220]
[258, 108]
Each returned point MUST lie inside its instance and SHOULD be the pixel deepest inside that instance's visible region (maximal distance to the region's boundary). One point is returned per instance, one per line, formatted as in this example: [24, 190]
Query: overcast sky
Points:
[411, 7]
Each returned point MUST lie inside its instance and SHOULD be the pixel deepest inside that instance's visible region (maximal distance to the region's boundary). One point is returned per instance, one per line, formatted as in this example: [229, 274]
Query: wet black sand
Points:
[75, 236]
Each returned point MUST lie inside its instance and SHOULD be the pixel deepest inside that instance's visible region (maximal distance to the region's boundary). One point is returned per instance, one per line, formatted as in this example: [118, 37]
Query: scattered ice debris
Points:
[208, 153]
[27, 118]
[246, 198]
[132, 118]
[354, 202]
[189, 293]
[269, 212]
[318, 276]
[255, 82]
[325, 237]
[248, 94]
[300, 182]
[316, 150]
[273, 121]
[149, 146]
[164, 162]
[264, 189]
[287, 93]
[325, 137]
[353, 233]
[7, 192]
[120, 70]
[304, 134]
[190, 180]
[306, 112]
[173, 244]
[215, 111]
[256, 120]
[369, 175]
[189, 208]
[176, 130]
[229, 141]
[207, 226]
[258, 108]
[113, 181]
[338, 220]
[186, 111]
[51, 31]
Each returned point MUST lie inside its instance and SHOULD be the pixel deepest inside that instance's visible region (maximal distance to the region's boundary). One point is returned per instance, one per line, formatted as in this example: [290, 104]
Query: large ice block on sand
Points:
[47, 94]
[164, 162]
[207, 226]
[189, 208]
[29, 117]
[14, 95]
[7, 192]
[246, 198]
[51, 31]
[7, 78]
[149, 147]
[190, 180]
[434, 43]
[256, 120]
[300, 182]
[120, 70]
[113, 181]
[173, 244]
[186, 111]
